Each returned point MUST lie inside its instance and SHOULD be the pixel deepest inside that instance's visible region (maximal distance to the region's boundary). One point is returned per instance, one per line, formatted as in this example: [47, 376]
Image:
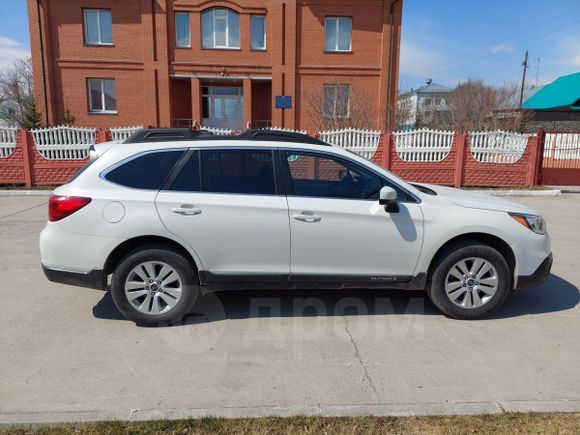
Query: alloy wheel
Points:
[471, 282]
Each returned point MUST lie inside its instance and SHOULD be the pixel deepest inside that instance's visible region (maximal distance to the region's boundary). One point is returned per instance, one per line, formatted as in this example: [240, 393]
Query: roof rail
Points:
[185, 134]
[279, 135]
[167, 134]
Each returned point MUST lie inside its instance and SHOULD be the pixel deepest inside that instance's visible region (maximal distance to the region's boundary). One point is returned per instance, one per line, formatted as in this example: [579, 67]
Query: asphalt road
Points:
[67, 355]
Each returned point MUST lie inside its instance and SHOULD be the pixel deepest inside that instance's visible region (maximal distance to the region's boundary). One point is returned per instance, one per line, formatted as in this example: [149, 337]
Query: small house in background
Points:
[556, 106]
[428, 104]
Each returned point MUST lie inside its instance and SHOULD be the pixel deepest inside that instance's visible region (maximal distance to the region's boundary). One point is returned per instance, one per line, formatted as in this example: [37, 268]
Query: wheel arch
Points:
[132, 244]
[495, 242]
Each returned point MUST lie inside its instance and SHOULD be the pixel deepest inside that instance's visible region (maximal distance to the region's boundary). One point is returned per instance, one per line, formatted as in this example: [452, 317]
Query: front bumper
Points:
[538, 277]
[93, 279]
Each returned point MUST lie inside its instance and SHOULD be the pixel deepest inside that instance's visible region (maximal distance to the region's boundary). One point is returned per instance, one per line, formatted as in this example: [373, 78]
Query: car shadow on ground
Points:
[556, 294]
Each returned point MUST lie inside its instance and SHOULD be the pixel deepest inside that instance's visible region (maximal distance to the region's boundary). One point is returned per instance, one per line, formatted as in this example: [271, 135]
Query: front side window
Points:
[98, 27]
[220, 29]
[182, 32]
[338, 34]
[319, 176]
[238, 172]
[336, 101]
[147, 171]
[102, 96]
[258, 32]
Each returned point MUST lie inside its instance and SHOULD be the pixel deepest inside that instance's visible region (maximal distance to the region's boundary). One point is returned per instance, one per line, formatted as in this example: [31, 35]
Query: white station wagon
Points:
[172, 211]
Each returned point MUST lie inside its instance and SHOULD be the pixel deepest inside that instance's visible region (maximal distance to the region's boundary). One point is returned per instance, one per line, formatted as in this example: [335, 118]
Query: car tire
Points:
[155, 285]
[471, 295]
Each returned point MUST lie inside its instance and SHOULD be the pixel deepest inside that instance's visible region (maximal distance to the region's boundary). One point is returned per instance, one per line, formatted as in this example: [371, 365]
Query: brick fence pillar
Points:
[536, 158]
[28, 156]
[387, 140]
[461, 144]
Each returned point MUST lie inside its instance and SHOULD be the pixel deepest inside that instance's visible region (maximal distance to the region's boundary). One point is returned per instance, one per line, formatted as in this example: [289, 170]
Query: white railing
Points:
[64, 142]
[7, 141]
[121, 134]
[562, 146]
[423, 145]
[498, 146]
[362, 142]
[285, 129]
[218, 131]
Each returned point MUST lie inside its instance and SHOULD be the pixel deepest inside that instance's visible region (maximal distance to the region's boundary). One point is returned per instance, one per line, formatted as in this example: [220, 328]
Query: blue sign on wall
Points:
[283, 102]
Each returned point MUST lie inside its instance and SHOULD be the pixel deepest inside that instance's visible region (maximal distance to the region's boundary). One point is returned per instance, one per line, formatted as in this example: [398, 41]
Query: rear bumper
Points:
[93, 279]
[538, 277]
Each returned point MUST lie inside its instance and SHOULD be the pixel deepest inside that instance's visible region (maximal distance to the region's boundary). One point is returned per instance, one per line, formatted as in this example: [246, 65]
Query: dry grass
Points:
[515, 423]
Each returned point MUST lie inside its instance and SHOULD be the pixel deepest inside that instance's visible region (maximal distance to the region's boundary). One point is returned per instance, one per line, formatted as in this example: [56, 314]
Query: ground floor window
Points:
[336, 101]
[102, 96]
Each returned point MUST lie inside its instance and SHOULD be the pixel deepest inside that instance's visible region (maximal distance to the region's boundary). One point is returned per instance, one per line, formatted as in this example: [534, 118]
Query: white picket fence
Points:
[362, 142]
[64, 142]
[7, 141]
[218, 131]
[498, 146]
[121, 134]
[423, 145]
[562, 146]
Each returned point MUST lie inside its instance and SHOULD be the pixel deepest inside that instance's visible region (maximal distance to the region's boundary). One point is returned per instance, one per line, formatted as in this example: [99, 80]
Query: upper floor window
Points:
[98, 27]
[336, 101]
[102, 96]
[427, 101]
[182, 32]
[338, 34]
[258, 32]
[220, 29]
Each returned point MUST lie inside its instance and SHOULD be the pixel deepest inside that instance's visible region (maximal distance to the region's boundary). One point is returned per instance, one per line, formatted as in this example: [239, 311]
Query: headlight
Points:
[535, 223]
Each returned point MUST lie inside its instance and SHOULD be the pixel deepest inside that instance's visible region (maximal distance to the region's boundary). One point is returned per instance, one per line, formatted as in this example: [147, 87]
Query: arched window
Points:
[220, 29]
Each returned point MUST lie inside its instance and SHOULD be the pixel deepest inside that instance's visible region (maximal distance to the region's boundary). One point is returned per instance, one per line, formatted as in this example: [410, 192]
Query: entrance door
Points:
[223, 107]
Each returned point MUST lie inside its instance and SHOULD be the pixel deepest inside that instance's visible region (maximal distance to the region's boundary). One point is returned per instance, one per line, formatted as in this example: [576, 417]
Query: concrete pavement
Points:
[67, 354]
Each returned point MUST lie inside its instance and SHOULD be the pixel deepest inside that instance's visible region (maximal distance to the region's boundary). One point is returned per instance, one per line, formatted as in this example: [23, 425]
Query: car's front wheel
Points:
[470, 280]
[154, 285]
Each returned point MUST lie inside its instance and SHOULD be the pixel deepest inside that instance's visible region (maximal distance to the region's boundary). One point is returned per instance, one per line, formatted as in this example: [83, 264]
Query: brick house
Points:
[219, 63]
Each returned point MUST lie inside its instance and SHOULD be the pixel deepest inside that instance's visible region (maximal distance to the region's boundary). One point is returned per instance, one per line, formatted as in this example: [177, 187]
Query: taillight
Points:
[60, 207]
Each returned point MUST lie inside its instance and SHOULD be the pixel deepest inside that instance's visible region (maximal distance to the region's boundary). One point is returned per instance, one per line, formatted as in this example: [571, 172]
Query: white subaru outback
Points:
[172, 212]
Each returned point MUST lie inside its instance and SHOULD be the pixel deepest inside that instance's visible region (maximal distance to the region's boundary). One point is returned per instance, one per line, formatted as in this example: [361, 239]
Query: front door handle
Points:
[306, 217]
[186, 210]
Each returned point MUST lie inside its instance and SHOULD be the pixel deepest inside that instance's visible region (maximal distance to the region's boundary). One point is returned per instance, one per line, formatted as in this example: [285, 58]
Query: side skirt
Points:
[218, 282]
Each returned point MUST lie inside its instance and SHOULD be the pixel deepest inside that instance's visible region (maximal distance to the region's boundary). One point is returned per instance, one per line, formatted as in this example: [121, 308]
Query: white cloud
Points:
[11, 50]
[503, 48]
[419, 61]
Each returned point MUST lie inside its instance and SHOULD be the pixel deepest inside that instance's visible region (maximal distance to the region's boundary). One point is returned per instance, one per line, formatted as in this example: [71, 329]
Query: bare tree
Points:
[17, 106]
[405, 112]
[335, 106]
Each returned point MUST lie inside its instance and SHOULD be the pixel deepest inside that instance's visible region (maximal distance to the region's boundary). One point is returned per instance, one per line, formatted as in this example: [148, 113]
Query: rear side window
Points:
[147, 171]
[238, 171]
[188, 179]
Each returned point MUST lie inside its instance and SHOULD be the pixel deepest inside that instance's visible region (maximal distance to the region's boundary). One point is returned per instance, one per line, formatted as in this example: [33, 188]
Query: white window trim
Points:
[265, 33]
[337, 33]
[188, 30]
[227, 18]
[103, 105]
[100, 41]
[334, 114]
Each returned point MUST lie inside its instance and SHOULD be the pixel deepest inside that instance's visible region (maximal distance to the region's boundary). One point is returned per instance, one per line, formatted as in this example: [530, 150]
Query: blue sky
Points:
[447, 40]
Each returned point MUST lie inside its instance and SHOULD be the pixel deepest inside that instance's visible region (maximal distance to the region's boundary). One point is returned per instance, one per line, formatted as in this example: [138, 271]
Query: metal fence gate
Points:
[561, 162]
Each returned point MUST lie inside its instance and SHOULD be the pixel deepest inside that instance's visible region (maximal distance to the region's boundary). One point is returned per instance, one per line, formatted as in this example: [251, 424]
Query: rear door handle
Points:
[310, 218]
[186, 210]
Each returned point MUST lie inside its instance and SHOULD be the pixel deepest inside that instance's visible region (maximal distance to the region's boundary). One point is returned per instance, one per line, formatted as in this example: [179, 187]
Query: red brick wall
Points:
[144, 58]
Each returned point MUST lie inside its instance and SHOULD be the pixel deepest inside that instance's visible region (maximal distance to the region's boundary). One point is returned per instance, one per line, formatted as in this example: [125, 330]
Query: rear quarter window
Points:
[147, 171]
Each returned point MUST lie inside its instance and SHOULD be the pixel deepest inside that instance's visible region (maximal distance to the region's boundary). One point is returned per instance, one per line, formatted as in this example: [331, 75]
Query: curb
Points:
[32, 419]
[25, 193]
[518, 192]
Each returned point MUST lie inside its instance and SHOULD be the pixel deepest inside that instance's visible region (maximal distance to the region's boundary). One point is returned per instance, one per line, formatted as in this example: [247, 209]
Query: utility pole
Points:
[523, 79]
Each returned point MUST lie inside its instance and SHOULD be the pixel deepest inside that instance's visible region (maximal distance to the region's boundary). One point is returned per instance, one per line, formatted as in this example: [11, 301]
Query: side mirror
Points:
[388, 198]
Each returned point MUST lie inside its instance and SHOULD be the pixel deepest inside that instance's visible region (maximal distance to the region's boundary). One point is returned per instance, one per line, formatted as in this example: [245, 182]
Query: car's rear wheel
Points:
[154, 285]
[469, 280]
